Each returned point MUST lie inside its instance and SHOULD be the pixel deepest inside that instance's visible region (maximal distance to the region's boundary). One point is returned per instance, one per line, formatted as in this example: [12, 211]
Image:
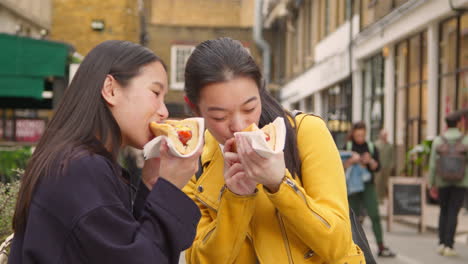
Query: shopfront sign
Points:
[29, 130]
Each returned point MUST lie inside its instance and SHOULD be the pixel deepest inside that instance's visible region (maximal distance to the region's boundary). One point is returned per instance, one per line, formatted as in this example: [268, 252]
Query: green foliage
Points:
[418, 156]
[11, 160]
[8, 194]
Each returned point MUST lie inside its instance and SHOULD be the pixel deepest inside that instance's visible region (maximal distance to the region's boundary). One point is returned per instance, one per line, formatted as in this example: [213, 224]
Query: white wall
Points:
[331, 66]
[389, 93]
[36, 14]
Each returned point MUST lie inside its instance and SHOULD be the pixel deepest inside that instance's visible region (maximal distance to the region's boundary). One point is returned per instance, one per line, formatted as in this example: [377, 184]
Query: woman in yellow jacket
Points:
[290, 208]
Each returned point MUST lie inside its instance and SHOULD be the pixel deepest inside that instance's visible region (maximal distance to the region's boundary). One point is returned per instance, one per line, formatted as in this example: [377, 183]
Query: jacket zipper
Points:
[205, 204]
[285, 238]
[293, 185]
[208, 235]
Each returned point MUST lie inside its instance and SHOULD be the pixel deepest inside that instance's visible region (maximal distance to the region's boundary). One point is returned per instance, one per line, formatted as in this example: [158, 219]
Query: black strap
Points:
[200, 169]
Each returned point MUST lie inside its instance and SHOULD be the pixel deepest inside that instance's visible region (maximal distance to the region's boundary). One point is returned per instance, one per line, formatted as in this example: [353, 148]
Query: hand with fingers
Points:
[234, 174]
[267, 171]
[176, 170]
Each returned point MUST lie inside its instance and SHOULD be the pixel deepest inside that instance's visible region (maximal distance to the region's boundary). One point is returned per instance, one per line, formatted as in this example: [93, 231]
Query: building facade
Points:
[87, 23]
[175, 27]
[33, 72]
[30, 18]
[396, 64]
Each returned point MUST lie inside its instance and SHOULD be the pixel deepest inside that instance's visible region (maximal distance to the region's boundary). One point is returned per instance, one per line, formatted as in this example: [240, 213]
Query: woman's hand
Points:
[355, 158]
[266, 171]
[150, 172]
[234, 175]
[176, 170]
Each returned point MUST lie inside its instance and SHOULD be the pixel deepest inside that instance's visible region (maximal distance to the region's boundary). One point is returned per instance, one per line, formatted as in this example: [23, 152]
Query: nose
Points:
[162, 111]
[238, 122]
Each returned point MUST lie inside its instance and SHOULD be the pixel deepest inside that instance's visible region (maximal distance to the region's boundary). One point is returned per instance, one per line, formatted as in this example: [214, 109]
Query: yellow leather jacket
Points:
[304, 222]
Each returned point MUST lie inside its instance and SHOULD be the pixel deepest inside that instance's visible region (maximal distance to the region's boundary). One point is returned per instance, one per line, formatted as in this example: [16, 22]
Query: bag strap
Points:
[371, 147]
[200, 169]
[349, 145]
[444, 139]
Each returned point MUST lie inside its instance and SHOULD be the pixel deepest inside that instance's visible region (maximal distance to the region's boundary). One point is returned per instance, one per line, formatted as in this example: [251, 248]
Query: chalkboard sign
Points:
[407, 198]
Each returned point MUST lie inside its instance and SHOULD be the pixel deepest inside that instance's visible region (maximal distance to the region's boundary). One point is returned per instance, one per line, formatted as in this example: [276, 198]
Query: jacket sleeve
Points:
[222, 236]
[140, 200]
[317, 212]
[110, 233]
[432, 162]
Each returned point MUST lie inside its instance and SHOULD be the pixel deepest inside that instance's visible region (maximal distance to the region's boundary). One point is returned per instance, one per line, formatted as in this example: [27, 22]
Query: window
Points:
[179, 57]
[453, 69]
[374, 95]
[410, 96]
[373, 10]
[309, 104]
[338, 110]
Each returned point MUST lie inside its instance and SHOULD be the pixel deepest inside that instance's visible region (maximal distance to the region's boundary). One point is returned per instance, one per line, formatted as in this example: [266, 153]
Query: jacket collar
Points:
[211, 182]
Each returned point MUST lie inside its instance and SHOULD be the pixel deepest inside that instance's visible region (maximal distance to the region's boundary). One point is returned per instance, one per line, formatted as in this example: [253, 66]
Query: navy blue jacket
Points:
[85, 215]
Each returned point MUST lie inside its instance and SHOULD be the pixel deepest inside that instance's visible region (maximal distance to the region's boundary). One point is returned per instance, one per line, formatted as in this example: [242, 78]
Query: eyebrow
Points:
[158, 84]
[215, 108]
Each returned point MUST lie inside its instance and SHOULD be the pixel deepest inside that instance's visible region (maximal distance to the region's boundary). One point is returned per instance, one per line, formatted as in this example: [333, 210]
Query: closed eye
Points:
[250, 110]
[219, 118]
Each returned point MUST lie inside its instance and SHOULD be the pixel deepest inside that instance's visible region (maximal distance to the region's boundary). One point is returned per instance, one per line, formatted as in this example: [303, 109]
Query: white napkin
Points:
[258, 141]
[151, 149]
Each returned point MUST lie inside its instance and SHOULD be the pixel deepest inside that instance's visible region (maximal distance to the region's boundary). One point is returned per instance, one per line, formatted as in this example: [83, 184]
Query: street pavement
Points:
[413, 247]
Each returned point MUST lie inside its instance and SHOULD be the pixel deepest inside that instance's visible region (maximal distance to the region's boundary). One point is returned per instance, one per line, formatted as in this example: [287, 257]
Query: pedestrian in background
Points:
[448, 179]
[366, 155]
[287, 208]
[387, 162]
[75, 204]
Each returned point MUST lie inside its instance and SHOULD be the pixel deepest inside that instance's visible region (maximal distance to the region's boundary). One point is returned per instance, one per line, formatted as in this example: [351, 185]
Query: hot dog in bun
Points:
[184, 134]
[269, 132]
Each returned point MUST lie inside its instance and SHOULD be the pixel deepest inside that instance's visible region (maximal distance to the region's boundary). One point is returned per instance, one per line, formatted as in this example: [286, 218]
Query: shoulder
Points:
[312, 133]
[308, 121]
[85, 183]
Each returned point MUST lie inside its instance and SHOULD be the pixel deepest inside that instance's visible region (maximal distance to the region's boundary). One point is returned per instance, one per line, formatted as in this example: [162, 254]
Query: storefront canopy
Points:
[25, 63]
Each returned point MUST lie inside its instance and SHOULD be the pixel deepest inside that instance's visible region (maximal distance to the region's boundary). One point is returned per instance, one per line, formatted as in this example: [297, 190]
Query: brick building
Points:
[175, 27]
[86, 23]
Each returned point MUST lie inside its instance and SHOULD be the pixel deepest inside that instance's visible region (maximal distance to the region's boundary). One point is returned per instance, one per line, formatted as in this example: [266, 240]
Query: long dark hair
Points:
[82, 118]
[224, 59]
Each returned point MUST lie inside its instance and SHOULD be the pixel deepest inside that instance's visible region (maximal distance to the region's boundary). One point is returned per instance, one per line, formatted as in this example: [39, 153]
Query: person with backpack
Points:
[448, 179]
[366, 155]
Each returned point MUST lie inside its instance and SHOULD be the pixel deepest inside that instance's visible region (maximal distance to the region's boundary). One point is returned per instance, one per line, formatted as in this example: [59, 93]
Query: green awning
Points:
[25, 63]
[11, 86]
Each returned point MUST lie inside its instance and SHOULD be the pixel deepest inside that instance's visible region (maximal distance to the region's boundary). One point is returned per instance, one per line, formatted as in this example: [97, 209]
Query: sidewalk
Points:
[431, 221]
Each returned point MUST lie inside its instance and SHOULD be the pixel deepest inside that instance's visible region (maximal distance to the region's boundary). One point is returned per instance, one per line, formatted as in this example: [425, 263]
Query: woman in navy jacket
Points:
[75, 204]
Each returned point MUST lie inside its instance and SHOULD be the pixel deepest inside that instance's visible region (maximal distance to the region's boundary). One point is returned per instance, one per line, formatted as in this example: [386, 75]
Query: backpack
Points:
[451, 164]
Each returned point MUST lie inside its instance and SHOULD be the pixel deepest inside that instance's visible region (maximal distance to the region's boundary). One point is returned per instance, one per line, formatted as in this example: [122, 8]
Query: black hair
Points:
[82, 117]
[223, 59]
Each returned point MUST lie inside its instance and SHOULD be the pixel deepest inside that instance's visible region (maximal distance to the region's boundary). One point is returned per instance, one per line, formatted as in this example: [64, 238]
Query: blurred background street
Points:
[400, 66]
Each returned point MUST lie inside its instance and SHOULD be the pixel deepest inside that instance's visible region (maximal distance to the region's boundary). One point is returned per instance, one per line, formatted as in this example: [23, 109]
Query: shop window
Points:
[373, 110]
[453, 67]
[338, 109]
[410, 96]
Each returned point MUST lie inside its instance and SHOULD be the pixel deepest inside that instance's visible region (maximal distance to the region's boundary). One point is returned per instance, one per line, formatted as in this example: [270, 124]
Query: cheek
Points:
[219, 130]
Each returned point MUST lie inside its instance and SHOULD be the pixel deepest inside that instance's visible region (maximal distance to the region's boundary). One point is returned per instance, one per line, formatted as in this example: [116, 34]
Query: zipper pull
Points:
[291, 183]
[221, 192]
